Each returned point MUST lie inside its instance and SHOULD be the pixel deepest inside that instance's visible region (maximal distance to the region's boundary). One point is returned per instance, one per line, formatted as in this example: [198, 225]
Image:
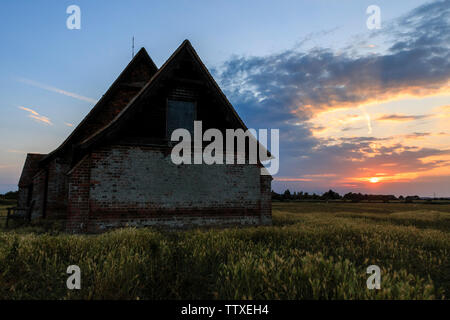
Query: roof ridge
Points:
[141, 53]
[185, 43]
[149, 82]
[215, 84]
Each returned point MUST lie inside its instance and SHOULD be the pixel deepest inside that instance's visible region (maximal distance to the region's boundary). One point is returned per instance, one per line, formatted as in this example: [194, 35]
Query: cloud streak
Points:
[57, 90]
[401, 117]
[417, 135]
[36, 116]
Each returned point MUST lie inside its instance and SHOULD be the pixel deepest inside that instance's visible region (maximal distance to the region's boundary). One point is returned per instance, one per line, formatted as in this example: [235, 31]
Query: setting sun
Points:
[374, 180]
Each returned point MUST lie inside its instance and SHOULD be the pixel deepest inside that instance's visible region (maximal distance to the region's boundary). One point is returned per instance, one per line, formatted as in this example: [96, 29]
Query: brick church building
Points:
[115, 168]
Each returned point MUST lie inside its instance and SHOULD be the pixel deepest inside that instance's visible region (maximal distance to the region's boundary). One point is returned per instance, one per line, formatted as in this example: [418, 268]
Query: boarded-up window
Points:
[180, 115]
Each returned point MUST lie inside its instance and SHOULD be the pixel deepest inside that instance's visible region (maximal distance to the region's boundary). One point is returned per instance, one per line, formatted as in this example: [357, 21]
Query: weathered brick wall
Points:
[141, 186]
[38, 194]
[22, 197]
[78, 202]
[144, 177]
[57, 191]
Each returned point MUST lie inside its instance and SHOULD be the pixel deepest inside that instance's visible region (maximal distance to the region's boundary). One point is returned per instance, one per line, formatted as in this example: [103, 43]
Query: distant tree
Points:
[330, 195]
[287, 195]
[11, 195]
[276, 196]
[354, 197]
[411, 198]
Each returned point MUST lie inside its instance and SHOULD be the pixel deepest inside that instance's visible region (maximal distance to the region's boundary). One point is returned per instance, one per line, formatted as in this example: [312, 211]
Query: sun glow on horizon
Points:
[374, 180]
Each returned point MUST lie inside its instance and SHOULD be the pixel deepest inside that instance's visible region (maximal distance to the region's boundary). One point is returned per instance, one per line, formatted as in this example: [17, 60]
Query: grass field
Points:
[313, 251]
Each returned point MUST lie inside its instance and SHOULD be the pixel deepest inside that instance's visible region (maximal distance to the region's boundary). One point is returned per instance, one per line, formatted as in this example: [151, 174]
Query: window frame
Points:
[167, 114]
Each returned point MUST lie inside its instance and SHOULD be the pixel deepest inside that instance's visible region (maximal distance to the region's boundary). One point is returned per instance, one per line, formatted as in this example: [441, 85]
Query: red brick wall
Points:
[57, 191]
[78, 202]
[38, 193]
[139, 186]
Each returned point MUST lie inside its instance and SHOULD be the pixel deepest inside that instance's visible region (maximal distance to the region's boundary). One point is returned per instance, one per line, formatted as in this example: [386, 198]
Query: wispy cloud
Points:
[445, 108]
[29, 110]
[15, 151]
[57, 90]
[318, 129]
[402, 117]
[6, 166]
[369, 121]
[36, 116]
[68, 124]
[417, 135]
[351, 128]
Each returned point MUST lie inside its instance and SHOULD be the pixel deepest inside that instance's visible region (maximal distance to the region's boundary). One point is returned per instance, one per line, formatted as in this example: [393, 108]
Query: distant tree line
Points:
[11, 195]
[332, 195]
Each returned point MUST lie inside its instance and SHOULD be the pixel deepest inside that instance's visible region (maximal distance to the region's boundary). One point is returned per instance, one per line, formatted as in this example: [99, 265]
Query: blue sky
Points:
[42, 61]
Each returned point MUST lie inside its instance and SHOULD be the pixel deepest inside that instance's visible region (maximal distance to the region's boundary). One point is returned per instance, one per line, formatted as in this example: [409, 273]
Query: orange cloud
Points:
[417, 135]
[29, 110]
[397, 177]
[36, 116]
[333, 104]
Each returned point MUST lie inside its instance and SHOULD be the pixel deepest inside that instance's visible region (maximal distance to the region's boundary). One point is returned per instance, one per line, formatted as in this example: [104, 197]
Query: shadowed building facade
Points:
[115, 168]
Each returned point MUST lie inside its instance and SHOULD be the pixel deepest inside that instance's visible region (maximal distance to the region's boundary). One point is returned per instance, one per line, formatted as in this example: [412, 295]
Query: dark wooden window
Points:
[180, 114]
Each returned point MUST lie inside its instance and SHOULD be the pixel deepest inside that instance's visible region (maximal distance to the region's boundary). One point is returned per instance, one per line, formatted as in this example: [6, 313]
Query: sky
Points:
[358, 109]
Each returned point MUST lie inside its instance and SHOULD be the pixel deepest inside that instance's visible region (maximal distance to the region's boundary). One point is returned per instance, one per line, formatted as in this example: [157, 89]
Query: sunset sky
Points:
[358, 110]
